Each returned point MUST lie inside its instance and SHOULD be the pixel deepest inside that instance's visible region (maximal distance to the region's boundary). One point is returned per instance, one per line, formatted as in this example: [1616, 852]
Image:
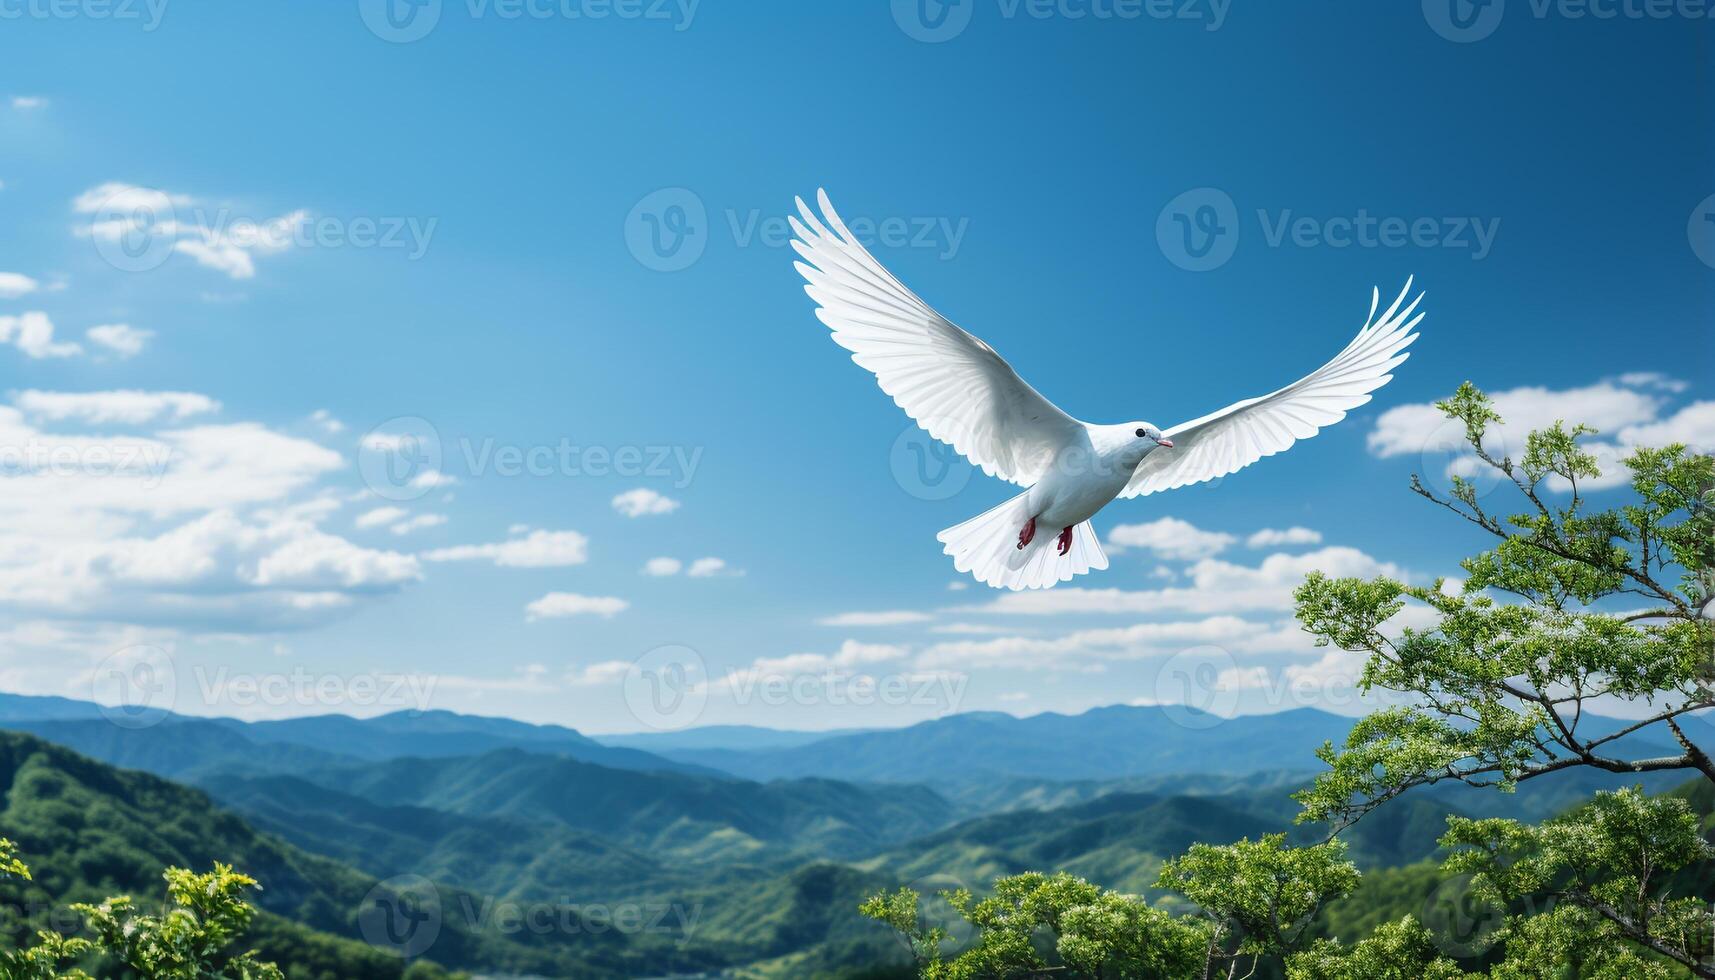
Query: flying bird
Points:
[966, 395]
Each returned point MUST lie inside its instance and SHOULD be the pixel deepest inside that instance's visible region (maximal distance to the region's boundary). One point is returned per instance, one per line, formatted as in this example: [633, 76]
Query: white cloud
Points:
[662, 567]
[1170, 538]
[33, 333]
[971, 629]
[1626, 412]
[850, 655]
[418, 522]
[891, 617]
[556, 605]
[24, 103]
[708, 568]
[314, 560]
[233, 249]
[16, 284]
[1089, 650]
[432, 479]
[120, 338]
[1216, 586]
[1653, 379]
[528, 679]
[1279, 537]
[643, 501]
[1408, 429]
[957, 586]
[228, 245]
[603, 674]
[538, 549]
[117, 196]
[1693, 425]
[125, 406]
[324, 420]
[379, 516]
[214, 569]
[200, 528]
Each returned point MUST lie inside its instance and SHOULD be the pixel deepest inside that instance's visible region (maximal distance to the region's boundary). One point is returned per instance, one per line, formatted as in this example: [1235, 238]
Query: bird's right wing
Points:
[954, 385]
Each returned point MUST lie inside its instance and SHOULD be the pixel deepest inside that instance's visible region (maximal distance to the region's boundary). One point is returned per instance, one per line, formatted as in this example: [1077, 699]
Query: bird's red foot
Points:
[1028, 534]
[1065, 544]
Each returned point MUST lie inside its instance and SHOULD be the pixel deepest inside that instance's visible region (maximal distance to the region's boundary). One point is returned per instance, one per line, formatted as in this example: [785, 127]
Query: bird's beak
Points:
[1164, 443]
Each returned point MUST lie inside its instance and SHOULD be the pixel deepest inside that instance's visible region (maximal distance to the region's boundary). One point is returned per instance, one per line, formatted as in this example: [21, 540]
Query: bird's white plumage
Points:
[1236, 436]
[964, 394]
[951, 383]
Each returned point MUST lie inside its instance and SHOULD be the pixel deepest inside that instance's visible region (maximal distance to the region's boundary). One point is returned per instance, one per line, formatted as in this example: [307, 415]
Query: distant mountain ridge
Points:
[184, 746]
[1115, 742]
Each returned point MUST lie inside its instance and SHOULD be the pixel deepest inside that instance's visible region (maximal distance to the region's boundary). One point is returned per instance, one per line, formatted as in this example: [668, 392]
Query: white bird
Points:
[965, 394]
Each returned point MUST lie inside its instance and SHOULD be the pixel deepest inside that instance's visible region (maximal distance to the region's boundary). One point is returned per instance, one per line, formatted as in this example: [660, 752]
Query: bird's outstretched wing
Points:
[954, 385]
[1242, 433]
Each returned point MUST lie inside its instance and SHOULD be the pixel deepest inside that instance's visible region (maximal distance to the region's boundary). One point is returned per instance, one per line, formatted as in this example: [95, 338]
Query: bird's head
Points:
[1149, 435]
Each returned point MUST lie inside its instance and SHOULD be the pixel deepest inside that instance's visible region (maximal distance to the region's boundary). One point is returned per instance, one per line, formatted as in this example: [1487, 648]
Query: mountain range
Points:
[753, 846]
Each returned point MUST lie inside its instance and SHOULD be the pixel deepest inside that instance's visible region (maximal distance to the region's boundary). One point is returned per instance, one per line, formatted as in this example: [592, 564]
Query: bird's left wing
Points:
[1240, 434]
[954, 385]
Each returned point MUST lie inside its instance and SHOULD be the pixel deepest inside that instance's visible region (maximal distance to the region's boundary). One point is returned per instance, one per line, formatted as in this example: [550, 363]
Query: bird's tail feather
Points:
[987, 547]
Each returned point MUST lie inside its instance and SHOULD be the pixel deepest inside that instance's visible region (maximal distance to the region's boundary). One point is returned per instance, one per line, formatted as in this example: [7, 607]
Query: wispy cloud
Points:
[120, 338]
[538, 549]
[557, 605]
[643, 502]
[1281, 537]
[889, 617]
[33, 333]
[16, 284]
[1171, 538]
[127, 406]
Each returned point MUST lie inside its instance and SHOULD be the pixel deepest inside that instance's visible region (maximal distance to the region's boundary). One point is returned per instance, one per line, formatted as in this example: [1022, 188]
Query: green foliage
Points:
[1402, 950]
[189, 940]
[1264, 891]
[1050, 925]
[1500, 686]
[1603, 864]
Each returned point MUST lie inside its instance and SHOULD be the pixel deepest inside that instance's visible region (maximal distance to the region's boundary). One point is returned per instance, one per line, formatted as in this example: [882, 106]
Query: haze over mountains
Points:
[755, 844]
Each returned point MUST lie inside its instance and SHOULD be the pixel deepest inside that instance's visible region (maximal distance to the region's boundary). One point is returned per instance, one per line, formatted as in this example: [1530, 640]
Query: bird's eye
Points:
[1141, 434]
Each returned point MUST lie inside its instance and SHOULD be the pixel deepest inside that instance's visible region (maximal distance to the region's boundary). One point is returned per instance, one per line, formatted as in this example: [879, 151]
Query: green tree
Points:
[186, 942]
[1571, 604]
[1083, 931]
[1500, 688]
[1262, 896]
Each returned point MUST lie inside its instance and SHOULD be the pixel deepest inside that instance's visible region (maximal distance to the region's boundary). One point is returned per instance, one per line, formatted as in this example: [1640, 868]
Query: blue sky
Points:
[351, 228]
